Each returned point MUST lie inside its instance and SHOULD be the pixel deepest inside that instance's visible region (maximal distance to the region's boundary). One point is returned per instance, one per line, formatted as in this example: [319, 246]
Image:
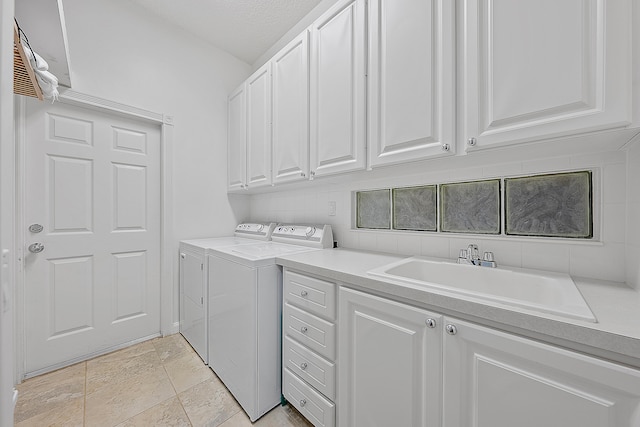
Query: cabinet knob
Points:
[302, 174]
[446, 147]
[303, 293]
[472, 142]
[312, 174]
[430, 323]
[183, 256]
[303, 329]
[303, 402]
[451, 329]
[303, 365]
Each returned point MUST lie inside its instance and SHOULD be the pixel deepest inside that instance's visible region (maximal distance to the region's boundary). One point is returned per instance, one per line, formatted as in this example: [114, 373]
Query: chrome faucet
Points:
[471, 256]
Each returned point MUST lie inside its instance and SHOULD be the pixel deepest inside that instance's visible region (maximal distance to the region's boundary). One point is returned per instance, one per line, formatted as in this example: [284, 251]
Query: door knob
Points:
[36, 248]
[35, 228]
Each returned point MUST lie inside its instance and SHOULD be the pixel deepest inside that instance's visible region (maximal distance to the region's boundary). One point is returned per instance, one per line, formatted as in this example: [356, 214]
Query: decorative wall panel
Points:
[373, 209]
[470, 207]
[557, 205]
[415, 208]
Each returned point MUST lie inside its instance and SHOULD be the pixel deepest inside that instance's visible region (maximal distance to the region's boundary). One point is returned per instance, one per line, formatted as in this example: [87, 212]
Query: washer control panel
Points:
[315, 235]
[255, 230]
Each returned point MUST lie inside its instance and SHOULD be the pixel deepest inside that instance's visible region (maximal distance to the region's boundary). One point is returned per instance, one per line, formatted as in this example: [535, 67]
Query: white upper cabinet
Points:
[259, 128]
[338, 84]
[536, 69]
[290, 68]
[411, 90]
[237, 140]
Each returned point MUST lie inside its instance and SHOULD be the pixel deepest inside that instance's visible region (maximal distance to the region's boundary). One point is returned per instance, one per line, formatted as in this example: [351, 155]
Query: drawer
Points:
[314, 295]
[320, 411]
[315, 370]
[317, 334]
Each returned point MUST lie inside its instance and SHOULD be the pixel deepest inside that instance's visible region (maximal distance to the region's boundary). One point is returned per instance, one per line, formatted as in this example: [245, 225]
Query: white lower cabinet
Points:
[309, 347]
[494, 379]
[399, 365]
[389, 363]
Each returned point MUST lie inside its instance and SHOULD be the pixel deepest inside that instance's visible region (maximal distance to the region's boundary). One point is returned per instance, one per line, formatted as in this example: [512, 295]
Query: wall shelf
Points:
[24, 78]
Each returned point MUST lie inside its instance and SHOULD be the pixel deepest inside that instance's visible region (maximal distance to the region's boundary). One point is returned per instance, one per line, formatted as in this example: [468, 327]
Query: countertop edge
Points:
[577, 336]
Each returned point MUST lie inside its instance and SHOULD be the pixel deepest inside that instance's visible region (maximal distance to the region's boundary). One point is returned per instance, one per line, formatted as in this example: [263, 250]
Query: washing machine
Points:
[245, 313]
[193, 280]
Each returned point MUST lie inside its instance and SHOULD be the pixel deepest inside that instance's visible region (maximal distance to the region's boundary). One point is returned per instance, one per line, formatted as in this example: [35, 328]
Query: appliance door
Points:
[192, 301]
[232, 328]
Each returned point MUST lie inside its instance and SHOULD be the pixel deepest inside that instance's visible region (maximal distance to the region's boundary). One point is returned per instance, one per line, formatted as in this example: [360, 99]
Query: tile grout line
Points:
[172, 385]
[84, 395]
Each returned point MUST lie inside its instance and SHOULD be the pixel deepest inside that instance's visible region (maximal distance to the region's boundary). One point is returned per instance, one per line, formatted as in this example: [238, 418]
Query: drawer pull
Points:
[303, 293]
[303, 402]
[303, 365]
[303, 329]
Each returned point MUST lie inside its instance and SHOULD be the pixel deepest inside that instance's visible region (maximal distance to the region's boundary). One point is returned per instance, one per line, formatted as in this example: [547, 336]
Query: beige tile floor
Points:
[161, 382]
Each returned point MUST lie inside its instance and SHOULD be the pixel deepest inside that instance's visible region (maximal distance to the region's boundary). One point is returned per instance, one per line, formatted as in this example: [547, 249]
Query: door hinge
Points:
[201, 266]
[202, 300]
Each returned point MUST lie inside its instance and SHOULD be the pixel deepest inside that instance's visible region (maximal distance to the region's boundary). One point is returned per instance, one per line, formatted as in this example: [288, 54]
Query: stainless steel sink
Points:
[543, 291]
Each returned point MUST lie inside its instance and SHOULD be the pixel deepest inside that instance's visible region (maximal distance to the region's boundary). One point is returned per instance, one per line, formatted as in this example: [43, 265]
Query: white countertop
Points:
[615, 336]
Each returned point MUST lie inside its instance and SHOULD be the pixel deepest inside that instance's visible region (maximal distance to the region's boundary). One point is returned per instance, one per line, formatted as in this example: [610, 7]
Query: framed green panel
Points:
[552, 205]
[470, 207]
[415, 208]
[373, 209]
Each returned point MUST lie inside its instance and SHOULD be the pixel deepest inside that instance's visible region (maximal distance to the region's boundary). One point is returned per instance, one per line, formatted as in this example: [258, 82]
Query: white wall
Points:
[600, 260]
[122, 53]
[633, 216]
[7, 278]
[293, 32]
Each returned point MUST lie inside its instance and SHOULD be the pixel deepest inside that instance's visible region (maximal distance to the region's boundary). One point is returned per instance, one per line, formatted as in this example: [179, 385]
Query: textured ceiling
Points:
[244, 28]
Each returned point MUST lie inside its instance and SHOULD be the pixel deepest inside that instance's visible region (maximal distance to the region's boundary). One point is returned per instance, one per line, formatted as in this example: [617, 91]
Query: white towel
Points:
[48, 82]
[37, 61]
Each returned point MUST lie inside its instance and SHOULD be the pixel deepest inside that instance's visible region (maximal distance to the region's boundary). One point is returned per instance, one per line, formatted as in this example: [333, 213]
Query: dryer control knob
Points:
[260, 227]
[310, 231]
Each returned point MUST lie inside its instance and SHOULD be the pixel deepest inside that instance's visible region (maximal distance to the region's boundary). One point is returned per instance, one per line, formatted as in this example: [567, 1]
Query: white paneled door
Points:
[93, 187]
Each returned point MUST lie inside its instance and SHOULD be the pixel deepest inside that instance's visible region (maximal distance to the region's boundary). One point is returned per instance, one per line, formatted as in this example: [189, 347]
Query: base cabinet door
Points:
[389, 370]
[494, 379]
[193, 318]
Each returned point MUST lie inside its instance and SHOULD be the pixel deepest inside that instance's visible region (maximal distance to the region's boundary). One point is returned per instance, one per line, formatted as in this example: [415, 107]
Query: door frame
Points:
[165, 121]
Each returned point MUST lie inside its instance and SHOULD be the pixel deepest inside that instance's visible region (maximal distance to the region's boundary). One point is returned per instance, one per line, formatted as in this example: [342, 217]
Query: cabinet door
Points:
[411, 80]
[290, 68]
[259, 128]
[530, 74]
[338, 89]
[493, 379]
[236, 142]
[389, 363]
[193, 318]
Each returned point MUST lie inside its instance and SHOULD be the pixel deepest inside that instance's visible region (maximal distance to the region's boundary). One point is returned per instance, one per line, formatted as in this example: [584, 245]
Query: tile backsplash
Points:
[602, 257]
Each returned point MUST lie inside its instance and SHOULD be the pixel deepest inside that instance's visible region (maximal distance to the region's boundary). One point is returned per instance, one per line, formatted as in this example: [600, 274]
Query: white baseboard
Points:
[87, 356]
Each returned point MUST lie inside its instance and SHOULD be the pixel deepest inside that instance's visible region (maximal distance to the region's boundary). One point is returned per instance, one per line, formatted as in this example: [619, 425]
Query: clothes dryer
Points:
[245, 313]
[193, 280]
